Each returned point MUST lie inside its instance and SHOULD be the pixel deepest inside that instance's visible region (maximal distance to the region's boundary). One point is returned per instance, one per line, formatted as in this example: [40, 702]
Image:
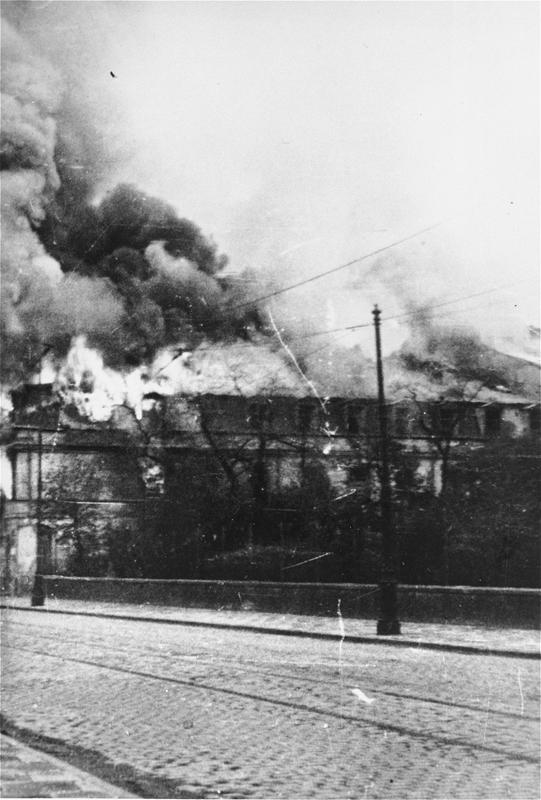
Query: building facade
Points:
[219, 473]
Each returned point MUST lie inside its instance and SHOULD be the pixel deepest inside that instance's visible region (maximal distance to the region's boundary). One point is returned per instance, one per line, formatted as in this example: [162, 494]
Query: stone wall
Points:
[490, 606]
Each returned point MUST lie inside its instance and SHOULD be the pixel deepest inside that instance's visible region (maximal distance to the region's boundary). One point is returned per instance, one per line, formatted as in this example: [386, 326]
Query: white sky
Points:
[300, 135]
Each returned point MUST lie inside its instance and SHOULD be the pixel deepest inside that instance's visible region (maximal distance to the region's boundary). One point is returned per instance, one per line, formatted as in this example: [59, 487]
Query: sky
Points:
[301, 135]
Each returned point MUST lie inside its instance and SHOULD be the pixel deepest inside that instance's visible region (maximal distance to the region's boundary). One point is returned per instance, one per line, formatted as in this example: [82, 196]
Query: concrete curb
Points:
[393, 641]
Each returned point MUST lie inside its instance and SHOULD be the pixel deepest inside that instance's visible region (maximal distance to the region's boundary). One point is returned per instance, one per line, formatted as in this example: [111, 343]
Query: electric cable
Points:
[319, 275]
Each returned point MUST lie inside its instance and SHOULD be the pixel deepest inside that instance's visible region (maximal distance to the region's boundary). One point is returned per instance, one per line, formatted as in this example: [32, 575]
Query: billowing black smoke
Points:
[130, 276]
[129, 273]
[166, 272]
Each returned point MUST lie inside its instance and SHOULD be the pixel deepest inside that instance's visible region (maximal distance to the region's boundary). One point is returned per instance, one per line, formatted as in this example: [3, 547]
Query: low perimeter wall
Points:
[489, 606]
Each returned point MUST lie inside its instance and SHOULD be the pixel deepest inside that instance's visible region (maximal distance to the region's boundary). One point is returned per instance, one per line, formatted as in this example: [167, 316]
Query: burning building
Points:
[161, 418]
[199, 476]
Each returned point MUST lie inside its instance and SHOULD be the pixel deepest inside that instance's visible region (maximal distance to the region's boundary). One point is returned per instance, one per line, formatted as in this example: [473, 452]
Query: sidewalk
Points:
[514, 642]
[29, 773]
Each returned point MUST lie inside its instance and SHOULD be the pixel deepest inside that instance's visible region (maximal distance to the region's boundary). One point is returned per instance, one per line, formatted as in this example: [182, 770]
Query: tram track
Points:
[290, 704]
[290, 674]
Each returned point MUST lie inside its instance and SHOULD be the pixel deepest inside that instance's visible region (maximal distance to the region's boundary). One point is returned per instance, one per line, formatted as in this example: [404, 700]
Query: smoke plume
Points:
[127, 274]
[126, 296]
[40, 308]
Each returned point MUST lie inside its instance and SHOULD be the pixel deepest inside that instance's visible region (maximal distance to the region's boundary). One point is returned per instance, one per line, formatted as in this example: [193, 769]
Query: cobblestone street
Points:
[28, 773]
[224, 713]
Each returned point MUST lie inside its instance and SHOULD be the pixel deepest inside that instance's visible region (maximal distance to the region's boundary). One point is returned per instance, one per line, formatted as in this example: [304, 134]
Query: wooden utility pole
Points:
[388, 623]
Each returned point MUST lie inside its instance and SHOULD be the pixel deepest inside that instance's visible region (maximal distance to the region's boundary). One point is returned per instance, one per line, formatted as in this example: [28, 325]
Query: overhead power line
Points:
[357, 326]
[319, 275]
[419, 310]
[459, 299]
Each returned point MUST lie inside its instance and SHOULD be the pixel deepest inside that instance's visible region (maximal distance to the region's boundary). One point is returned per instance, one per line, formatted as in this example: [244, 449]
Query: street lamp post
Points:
[388, 623]
[38, 589]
